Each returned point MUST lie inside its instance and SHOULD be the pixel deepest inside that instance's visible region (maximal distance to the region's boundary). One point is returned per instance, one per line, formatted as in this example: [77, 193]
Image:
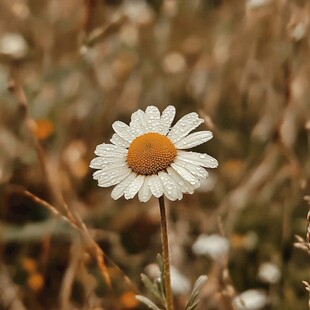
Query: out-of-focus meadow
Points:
[244, 66]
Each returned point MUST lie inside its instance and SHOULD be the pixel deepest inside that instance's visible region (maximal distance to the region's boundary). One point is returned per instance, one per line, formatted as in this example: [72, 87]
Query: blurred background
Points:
[74, 67]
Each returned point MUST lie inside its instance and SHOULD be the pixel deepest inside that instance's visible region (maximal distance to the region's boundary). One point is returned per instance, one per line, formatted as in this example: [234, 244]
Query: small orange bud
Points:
[35, 282]
[43, 128]
[29, 264]
[128, 300]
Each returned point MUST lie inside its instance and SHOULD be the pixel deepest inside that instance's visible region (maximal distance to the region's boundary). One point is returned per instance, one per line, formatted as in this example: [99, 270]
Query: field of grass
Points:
[69, 69]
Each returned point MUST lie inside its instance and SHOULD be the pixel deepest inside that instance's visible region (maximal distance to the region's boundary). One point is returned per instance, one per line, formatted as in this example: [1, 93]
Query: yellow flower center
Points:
[150, 153]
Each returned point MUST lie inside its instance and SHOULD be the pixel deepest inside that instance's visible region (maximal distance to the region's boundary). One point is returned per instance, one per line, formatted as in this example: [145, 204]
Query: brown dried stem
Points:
[19, 95]
[94, 249]
[69, 275]
[165, 246]
[307, 198]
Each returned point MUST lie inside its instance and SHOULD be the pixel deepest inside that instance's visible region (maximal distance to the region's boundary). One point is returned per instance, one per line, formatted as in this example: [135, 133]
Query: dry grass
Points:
[83, 65]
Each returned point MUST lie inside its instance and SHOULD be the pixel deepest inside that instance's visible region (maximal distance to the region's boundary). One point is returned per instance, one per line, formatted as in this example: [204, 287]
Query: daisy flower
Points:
[148, 157]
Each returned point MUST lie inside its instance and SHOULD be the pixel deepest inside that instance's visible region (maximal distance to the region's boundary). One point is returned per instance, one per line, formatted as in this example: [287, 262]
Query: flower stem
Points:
[165, 245]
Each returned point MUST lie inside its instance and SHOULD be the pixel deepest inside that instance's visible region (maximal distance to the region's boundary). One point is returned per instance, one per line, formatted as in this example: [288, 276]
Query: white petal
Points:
[102, 162]
[180, 194]
[117, 140]
[152, 116]
[120, 188]
[184, 126]
[194, 139]
[195, 158]
[170, 187]
[123, 130]
[113, 177]
[185, 186]
[138, 124]
[167, 119]
[185, 174]
[156, 186]
[134, 187]
[110, 150]
[193, 169]
[152, 111]
[145, 192]
[108, 170]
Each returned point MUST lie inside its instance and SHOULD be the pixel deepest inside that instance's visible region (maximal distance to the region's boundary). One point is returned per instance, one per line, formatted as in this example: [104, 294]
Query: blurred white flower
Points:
[251, 300]
[207, 185]
[299, 31]
[148, 157]
[269, 272]
[152, 270]
[214, 246]
[14, 45]
[179, 283]
[138, 11]
[174, 63]
[253, 4]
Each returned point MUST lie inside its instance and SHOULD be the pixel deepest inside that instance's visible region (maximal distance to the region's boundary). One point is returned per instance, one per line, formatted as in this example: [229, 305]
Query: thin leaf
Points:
[160, 287]
[147, 302]
[161, 280]
[153, 289]
[160, 263]
[194, 298]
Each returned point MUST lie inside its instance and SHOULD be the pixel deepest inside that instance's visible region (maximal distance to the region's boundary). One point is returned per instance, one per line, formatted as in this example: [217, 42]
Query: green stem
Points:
[165, 245]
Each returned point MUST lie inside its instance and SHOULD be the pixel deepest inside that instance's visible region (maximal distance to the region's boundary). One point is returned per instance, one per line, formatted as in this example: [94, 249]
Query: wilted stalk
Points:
[165, 246]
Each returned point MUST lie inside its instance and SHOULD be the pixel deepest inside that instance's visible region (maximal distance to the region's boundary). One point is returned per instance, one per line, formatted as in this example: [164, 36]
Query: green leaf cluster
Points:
[156, 289]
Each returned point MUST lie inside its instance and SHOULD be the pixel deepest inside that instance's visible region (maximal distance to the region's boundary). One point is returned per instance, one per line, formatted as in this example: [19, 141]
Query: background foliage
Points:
[242, 65]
